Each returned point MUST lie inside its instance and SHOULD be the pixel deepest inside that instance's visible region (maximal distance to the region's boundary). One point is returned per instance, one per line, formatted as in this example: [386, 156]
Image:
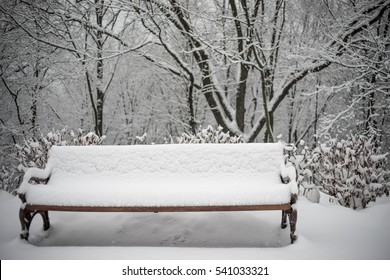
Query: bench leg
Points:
[26, 218]
[284, 219]
[46, 221]
[293, 216]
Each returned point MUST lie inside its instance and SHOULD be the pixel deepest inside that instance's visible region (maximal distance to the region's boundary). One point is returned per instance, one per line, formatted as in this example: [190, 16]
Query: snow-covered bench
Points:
[160, 178]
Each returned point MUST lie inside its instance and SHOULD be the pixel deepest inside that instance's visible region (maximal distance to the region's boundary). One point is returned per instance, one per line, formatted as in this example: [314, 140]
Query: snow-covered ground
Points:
[325, 231]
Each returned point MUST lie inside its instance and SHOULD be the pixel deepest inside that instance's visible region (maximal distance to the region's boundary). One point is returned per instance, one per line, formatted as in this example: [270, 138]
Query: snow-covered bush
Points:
[8, 177]
[34, 153]
[351, 171]
[141, 140]
[88, 139]
[208, 135]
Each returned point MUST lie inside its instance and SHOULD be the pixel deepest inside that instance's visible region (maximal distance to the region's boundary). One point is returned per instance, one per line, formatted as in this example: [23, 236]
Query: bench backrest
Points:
[203, 159]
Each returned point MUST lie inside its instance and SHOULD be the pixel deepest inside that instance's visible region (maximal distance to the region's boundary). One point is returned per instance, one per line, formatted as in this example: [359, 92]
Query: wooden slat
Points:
[31, 207]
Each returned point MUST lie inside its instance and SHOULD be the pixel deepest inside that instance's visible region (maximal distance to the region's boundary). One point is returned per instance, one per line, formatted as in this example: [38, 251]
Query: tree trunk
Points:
[99, 68]
[291, 114]
[192, 121]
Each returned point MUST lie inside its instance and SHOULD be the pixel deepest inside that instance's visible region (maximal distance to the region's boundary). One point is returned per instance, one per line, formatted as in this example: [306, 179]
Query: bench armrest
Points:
[37, 180]
[288, 173]
[288, 176]
[36, 176]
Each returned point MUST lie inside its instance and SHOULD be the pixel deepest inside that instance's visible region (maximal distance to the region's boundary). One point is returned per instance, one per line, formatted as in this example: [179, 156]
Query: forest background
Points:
[123, 69]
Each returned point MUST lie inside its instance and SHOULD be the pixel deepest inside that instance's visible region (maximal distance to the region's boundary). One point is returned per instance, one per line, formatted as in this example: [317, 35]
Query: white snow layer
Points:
[162, 175]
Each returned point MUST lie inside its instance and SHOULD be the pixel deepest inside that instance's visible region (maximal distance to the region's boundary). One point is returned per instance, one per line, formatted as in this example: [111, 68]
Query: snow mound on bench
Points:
[162, 175]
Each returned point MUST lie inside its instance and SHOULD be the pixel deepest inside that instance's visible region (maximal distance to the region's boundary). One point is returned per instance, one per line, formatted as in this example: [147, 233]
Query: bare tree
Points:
[24, 77]
[236, 43]
[84, 29]
[366, 85]
[244, 58]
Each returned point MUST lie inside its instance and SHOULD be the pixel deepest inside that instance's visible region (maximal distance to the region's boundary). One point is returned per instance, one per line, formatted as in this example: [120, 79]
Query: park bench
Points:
[160, 178]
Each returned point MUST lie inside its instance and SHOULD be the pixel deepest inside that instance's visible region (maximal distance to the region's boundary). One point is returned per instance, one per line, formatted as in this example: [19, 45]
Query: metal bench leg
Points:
[25, 218]
[46, 221]
[293, 216]
[284, 219]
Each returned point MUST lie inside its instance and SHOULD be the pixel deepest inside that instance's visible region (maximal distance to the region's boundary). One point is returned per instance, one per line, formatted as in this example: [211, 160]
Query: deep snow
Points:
[325, 231]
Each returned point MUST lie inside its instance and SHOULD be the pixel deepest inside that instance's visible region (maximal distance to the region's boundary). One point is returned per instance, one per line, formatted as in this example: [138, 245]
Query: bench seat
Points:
[180, 190]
